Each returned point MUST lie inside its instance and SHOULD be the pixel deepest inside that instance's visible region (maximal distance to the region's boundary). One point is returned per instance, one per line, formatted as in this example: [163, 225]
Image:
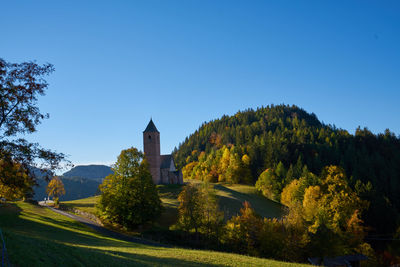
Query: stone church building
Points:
[162, 167]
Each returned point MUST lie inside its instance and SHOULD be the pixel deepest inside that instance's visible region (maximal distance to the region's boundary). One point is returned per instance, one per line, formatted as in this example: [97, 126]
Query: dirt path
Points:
[104, 230]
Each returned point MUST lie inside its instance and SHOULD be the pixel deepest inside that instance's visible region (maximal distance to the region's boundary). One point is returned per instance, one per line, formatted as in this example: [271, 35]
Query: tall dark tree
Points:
[128, 196]
[20, 86]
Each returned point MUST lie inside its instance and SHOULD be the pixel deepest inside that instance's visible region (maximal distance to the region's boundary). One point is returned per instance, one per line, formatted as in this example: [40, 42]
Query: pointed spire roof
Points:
[151, 128]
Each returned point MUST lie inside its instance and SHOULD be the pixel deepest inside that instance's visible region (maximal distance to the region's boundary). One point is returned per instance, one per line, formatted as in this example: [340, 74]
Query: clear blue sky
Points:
[185, 62]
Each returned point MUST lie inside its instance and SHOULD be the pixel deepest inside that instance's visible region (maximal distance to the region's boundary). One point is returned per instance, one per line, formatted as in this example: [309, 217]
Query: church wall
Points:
[172, 167]
[165, 177]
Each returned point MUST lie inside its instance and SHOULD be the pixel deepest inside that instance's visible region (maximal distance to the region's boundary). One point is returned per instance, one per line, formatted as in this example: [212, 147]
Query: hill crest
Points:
[94, 172]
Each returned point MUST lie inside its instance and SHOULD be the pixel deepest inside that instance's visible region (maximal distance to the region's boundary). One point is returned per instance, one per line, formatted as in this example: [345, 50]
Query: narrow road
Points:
[97, 227]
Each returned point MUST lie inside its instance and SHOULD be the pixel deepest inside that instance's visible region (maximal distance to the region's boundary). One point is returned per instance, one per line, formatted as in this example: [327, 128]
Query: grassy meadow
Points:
[84, 204]
[231, 198]
[36, 236]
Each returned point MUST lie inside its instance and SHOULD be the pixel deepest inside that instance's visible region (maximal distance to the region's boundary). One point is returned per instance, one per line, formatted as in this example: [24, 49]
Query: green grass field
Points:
[84, 204]
[231, 198]
[36, 236]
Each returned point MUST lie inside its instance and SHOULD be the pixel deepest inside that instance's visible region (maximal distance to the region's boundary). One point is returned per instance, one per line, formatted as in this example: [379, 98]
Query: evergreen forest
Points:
[278, 145]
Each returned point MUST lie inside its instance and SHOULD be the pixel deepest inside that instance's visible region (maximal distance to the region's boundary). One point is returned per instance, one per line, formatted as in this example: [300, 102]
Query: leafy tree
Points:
[233, 172]
[272, 239]
[20, 86]
[268, 184]
[190, 210]
[340, 201]
[55, 189]
[292, 194]
[212, 217]
[198, 211]
[224, 164]
[128, 196]
[329, 210]
[15, 181]
[242, 232]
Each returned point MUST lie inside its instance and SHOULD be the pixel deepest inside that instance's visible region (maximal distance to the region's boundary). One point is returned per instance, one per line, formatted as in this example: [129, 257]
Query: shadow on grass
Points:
[168, 217]
[32, 243]
[9, 208]
[232, 204]
[32, 251]
[170, 191]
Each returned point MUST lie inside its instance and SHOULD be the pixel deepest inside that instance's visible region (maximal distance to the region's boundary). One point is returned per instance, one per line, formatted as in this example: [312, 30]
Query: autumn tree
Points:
[20, 86]
[268, 184]
[224, 164]
[292, 194]
[55, 189]
[15, 181]
[329, 210]
[242, 232]
[190, 211]
[272, 239]
[245, 175]
[199, 211]
[233, 172]
[128, 196]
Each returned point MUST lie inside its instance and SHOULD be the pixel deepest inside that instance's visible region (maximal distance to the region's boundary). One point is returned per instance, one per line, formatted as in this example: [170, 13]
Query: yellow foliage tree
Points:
[188, 169]
[242, 232]
[15, 181]
[329, 210]
[290, 194]
[224, 164]
[339, 200]
[246, 159]
[55, 188]
[311, 203]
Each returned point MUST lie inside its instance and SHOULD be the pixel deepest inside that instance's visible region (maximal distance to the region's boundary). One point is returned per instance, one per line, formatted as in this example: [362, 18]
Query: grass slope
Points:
[36, 236]
[231, 198]
[84, 204]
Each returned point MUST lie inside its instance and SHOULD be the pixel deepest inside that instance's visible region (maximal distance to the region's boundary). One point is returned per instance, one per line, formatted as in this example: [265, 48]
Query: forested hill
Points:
[89, 171]
[254, 132]
[291, 141]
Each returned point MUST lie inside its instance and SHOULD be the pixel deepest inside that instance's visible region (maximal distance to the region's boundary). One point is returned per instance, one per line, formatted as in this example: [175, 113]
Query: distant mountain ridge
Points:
[95, 172]
[80, 182]
[75, 188]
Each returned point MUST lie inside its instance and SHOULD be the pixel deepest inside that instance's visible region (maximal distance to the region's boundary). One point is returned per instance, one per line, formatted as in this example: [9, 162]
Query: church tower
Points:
[151, 147]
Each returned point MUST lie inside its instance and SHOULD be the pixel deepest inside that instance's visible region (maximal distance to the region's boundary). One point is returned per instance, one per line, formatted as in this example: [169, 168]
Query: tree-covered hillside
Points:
[292, 143]
[89, 171]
